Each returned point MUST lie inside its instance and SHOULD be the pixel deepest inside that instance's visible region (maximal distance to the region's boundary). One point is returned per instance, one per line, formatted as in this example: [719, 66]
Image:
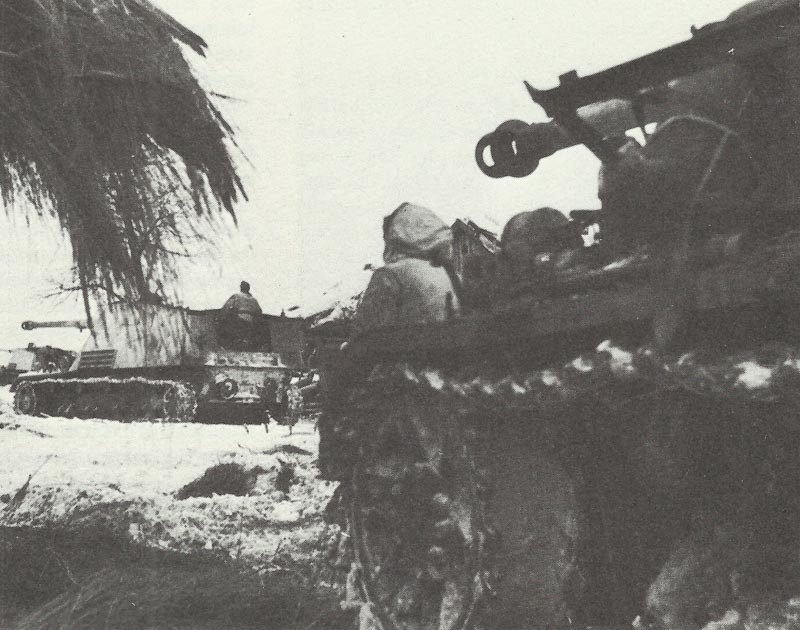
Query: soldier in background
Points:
[243, 303]
[239, 315]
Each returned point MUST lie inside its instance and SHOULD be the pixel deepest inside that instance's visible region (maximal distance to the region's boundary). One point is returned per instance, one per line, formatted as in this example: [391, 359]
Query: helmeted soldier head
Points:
[529, 233]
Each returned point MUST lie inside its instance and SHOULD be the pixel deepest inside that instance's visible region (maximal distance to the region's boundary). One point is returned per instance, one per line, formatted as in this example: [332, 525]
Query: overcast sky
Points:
[346, 109]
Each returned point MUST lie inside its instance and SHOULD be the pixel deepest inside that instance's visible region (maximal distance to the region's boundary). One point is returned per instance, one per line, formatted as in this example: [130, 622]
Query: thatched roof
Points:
[103, 125]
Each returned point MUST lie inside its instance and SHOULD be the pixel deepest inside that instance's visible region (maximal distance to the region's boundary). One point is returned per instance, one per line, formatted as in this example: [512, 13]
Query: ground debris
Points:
[289, 449]
[285, 477]
[50, 579]
[7, 426]
[123, 478]
[222, 479]
[21, 493]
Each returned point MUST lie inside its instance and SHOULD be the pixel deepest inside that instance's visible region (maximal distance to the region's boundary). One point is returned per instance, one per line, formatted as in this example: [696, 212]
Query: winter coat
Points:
[412, 287]
[244, 305]
[649, 193]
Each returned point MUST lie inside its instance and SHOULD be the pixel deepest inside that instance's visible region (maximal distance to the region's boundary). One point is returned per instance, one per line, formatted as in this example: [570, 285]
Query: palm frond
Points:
[100, 114]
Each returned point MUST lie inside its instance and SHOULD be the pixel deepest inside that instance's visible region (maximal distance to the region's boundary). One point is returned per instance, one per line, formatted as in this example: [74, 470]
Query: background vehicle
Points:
[35, 359]
[155, 361]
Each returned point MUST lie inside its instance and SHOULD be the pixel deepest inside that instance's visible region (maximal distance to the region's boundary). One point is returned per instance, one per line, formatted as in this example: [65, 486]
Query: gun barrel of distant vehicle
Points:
[66, 323]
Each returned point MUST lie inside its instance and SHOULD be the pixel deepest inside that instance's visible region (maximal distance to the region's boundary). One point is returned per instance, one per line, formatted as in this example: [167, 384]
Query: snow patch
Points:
[753, 375]
[621, 360]
[582, 365]
[132, 472]
[341, 298]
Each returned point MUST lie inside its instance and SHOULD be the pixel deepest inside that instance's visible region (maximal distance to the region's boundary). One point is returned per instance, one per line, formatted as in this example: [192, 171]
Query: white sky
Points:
[346, 109]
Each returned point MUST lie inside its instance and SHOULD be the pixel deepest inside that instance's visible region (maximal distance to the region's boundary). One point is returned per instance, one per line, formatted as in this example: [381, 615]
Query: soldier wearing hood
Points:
[416, 284]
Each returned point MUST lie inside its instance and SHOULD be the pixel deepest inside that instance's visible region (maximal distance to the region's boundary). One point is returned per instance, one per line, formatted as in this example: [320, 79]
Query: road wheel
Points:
[25, 401]
[417, 520]
[179, 403]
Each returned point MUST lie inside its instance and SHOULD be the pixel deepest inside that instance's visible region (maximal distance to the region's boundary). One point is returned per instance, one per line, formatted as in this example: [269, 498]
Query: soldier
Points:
[239, 315]
[409, 465]
[526, 238]
[243, 303]
[693, 174]
[416, 285]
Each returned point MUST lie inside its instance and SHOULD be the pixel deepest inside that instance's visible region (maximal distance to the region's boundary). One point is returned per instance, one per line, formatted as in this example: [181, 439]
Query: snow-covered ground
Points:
[132, 471]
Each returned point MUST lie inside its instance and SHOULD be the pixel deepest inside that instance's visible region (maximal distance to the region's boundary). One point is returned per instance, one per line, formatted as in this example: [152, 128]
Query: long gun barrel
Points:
[67, 323]
[577, 128]
[676, 80]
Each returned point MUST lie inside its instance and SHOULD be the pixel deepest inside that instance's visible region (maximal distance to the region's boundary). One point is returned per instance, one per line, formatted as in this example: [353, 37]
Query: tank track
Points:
[420, 541]
[127, 400]
[420, 469]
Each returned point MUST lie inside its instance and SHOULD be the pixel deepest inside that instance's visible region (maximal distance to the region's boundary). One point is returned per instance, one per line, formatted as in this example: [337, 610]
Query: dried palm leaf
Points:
[104, 126]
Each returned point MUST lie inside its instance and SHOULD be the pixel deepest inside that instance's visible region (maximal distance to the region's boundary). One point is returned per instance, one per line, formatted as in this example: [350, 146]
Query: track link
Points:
[127, 400]
[416, 515]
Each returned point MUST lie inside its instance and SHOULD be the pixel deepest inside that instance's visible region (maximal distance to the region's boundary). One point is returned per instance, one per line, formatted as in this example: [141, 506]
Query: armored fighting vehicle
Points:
[35, 358]
[151, 361]
[612, 433]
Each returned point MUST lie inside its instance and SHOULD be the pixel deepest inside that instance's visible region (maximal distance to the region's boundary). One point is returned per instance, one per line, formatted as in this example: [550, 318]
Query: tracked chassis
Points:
[545, 461]
[434, 431]
[147, 362]
[127, 400]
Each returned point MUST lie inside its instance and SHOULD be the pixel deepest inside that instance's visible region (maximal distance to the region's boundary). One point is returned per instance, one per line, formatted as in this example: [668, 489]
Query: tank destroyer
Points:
[546, 460]
[35, 358]
[153, 361]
